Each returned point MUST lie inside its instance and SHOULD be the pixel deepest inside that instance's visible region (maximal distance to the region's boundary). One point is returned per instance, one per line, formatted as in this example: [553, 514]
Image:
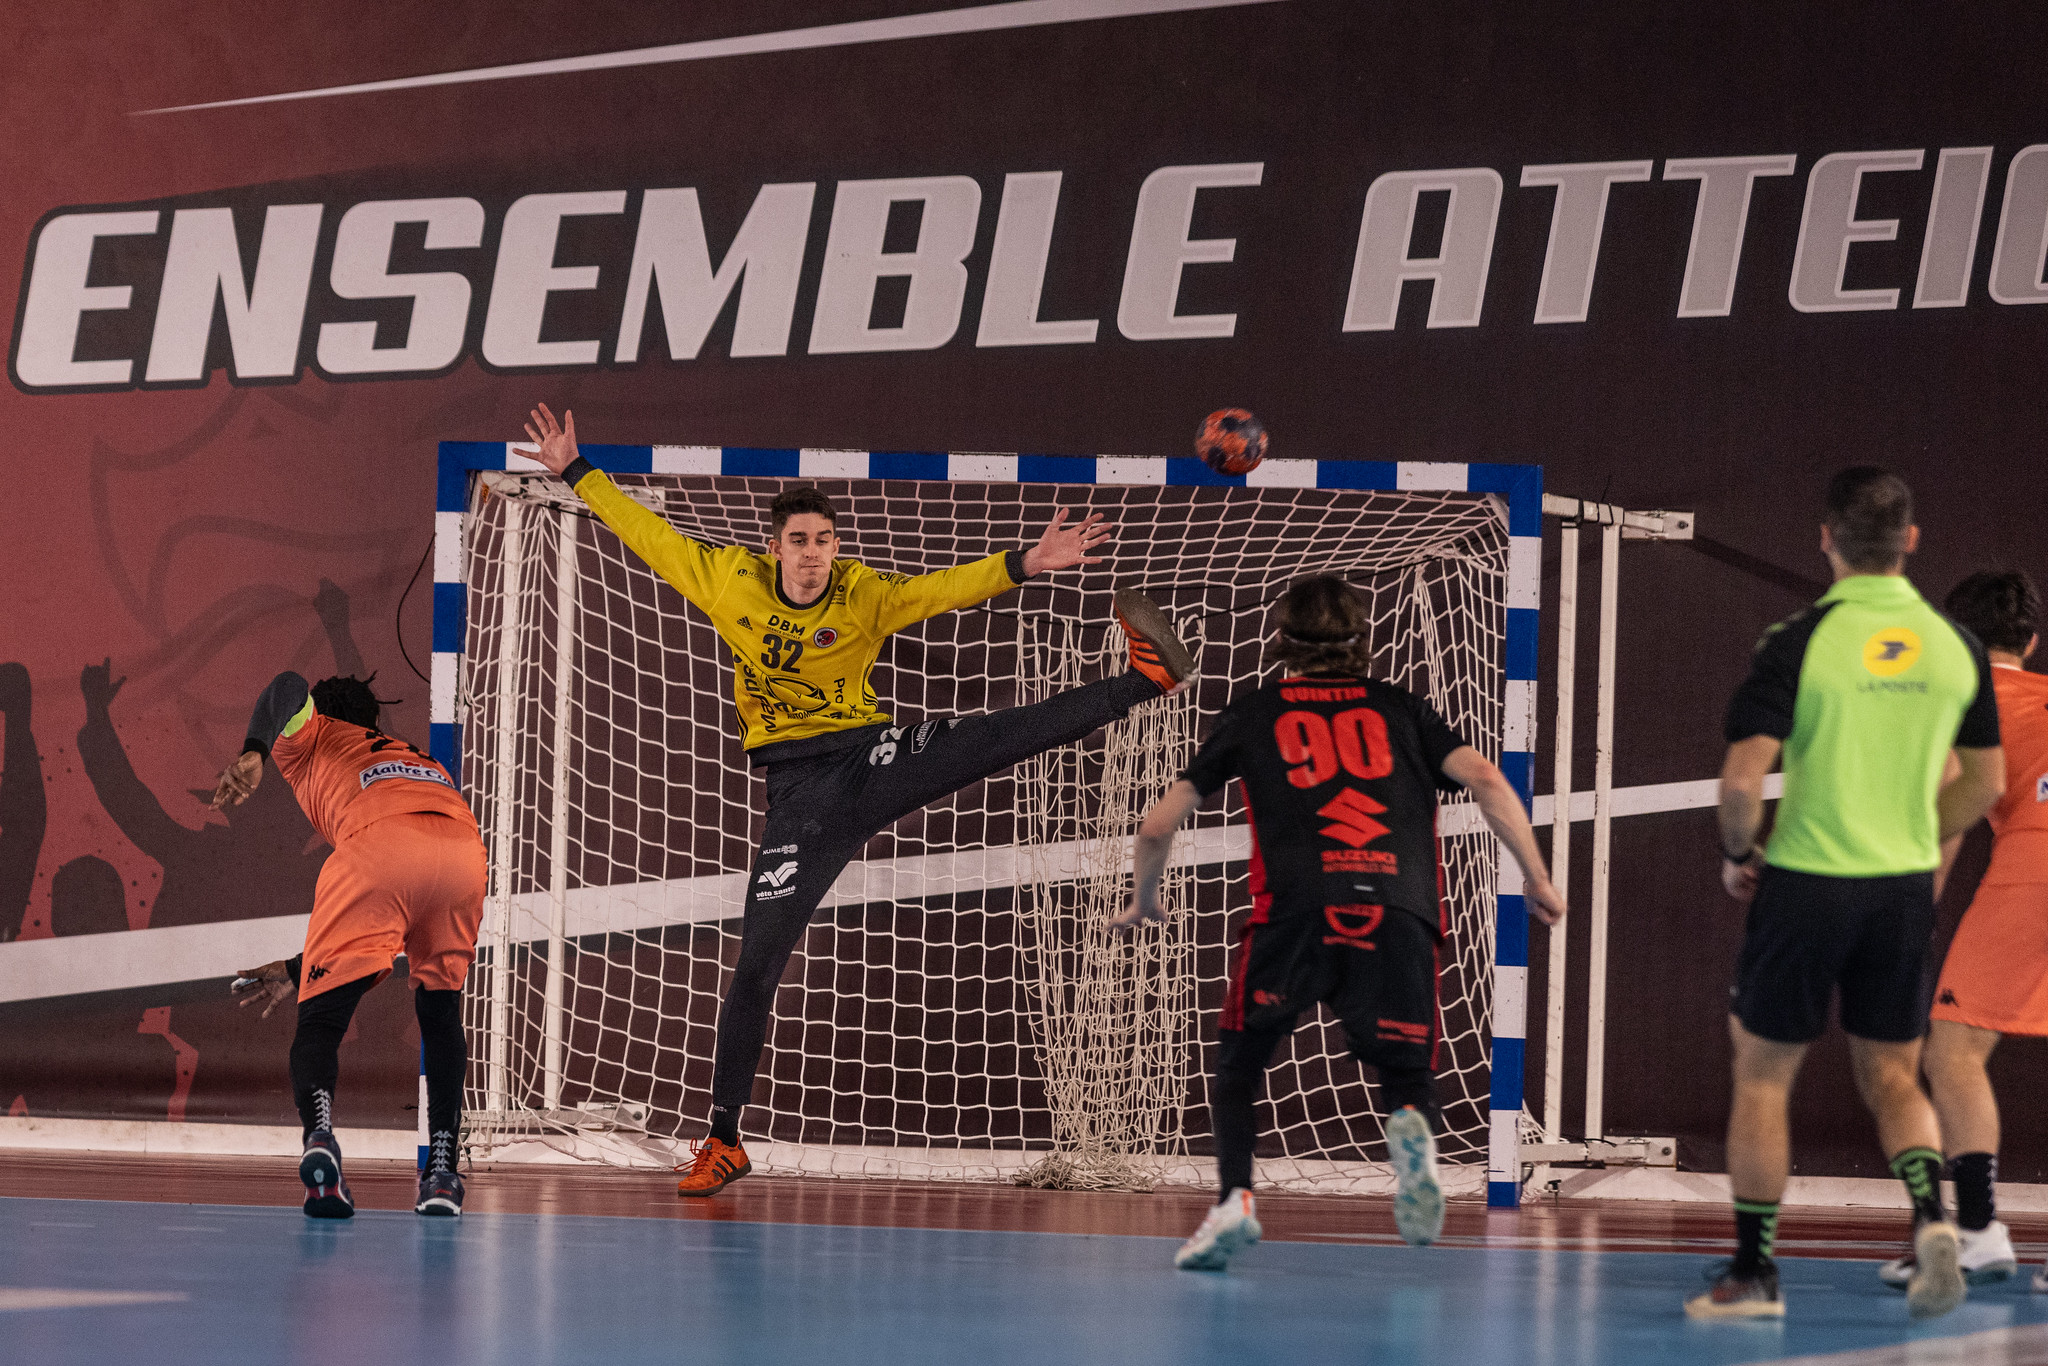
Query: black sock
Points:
[1412, 1086]
[725, 1123]
[444, 1054]
[1920, 1170]
[1234, 1119]
[316, 1052]
[1974, 1175]
[1756, 1235]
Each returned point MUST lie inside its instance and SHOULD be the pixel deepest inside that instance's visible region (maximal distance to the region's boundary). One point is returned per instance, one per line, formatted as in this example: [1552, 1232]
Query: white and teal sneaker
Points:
[1231, 1226]
[1937, 1285]
[1419, 1196]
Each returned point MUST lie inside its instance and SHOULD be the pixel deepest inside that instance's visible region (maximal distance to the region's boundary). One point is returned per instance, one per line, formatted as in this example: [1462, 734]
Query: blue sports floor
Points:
[266, 1285]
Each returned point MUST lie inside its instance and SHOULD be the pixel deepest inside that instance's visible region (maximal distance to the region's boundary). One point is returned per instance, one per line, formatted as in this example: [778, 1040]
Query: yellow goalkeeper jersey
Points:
[798, 672]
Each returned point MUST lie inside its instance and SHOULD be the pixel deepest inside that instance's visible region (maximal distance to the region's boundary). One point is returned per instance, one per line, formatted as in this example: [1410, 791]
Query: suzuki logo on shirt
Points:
[1352, 816]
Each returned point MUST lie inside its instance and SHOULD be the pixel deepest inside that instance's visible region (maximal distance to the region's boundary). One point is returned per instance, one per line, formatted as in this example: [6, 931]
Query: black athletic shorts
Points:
[1808, 934]
[1374, 966]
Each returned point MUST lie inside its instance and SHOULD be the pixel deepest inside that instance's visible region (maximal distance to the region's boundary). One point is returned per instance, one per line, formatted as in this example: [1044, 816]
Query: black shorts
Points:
[1375, 967]
[1807, 934]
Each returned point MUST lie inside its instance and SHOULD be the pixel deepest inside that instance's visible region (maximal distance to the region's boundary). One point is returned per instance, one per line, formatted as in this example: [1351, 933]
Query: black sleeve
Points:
[1439, 741]
[1763, 705]
[294, 965]
[274, 710]
[1979, 729]
[1217, 761]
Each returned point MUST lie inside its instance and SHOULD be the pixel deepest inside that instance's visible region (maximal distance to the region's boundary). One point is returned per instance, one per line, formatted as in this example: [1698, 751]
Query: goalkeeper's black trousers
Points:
[822, 810]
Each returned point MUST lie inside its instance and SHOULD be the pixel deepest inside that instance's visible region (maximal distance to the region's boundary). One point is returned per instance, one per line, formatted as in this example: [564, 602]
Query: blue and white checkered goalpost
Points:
[1518, 491]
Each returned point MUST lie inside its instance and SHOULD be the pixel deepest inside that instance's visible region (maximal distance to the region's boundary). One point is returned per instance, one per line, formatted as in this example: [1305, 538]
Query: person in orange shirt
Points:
[406, 875]
[1995, 979]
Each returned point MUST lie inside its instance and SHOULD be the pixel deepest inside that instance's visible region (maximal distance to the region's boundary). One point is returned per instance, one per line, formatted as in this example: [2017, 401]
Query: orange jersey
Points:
[2020, 820]
[346, 777]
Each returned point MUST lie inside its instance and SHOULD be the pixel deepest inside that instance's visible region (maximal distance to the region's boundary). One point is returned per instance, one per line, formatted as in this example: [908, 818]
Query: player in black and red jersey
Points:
[1341, 774]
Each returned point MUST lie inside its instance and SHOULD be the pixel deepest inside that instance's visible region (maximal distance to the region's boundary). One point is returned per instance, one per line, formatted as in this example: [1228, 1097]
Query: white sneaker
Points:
[1986, 1257]
[1419, 1198]
[1231, 1226]
[1937, 1285]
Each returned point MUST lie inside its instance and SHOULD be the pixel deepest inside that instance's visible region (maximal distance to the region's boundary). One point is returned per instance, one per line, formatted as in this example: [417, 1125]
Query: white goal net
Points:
[958, 1008]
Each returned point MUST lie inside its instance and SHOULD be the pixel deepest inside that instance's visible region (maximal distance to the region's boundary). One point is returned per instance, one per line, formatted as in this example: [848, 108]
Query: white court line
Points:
[936, 24]
[75, 965]
[2026, 1346]
[32, 1297]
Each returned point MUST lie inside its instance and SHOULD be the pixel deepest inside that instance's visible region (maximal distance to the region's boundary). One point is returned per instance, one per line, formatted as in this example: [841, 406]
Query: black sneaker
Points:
[440, 1193]
[1730, 1296]
[327, 1194]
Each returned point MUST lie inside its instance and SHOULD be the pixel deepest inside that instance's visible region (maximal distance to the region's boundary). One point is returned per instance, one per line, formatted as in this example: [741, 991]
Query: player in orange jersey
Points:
[1995, 979]
[406, 875]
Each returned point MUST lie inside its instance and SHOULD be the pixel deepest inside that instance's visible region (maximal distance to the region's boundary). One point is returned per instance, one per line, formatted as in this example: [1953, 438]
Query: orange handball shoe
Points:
[714, 1165]
[1156, 651]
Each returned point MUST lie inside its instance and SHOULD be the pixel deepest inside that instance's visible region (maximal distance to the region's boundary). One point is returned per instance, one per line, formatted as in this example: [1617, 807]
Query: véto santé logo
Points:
[1891, 652]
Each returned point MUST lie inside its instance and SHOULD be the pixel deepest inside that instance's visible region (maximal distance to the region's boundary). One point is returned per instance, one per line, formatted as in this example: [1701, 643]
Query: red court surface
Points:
[1584, 1226]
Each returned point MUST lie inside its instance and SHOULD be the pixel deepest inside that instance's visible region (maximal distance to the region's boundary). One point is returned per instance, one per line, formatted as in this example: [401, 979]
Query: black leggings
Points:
[821, 811]
[316, 1054]
[1241, 1072]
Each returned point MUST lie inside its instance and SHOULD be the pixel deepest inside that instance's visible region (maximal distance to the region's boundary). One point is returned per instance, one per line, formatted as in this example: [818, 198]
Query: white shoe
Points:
[1419, 1198]
[1231, 1226]
[1937, 1285]
[1986, 1259]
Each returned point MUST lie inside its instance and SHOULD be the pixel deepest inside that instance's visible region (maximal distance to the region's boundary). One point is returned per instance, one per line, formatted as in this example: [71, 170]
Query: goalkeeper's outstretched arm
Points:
[1150, 851]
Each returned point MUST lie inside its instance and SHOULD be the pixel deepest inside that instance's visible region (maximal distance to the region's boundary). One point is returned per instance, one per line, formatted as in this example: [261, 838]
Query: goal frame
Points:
[1520, 488]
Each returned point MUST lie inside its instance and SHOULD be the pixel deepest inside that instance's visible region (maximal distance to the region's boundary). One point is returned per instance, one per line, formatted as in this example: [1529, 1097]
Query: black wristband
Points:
[293, 965]
[577, 469]
[1013, 565]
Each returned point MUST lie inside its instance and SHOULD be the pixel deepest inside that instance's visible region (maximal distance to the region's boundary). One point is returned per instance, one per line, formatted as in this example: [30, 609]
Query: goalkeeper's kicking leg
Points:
[822, 810]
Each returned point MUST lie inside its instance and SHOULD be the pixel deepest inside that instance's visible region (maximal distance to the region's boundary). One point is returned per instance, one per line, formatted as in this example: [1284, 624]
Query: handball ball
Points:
[1231, 441]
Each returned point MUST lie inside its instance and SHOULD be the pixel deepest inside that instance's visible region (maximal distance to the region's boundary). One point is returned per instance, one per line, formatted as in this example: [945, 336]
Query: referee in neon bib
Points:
[804, 627]
[1865, 694]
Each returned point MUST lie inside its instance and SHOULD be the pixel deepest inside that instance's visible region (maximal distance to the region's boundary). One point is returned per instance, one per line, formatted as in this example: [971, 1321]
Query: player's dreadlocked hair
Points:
[1323, 628]
[350, 699]
[2000, 608]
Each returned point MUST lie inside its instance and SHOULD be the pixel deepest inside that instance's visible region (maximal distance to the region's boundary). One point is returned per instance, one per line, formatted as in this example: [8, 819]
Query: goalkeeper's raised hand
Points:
[554, 443]
[1062, 546]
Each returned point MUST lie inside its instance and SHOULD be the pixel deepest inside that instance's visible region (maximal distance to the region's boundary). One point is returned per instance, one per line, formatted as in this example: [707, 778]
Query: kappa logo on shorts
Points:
[1891, 651]
[923, 736]
[1269, 998]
